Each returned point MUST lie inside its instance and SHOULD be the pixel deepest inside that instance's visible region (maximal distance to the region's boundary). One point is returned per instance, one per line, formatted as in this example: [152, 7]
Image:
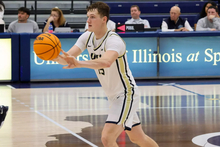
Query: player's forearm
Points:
[95, 64]
[75, 51]
[60, 61]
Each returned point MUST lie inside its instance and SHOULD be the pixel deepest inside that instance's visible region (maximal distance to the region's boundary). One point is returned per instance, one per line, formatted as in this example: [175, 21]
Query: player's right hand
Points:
[71, 60]
[60, 60]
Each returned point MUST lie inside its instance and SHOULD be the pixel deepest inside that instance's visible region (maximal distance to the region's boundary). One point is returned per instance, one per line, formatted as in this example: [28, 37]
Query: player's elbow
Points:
[108, 64]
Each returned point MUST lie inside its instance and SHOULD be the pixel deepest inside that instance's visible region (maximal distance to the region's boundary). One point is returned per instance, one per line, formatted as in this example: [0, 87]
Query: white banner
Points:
[5, 59]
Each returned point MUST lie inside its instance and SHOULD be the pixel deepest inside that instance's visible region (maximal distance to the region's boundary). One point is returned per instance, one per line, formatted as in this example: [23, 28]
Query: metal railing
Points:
[35, 6]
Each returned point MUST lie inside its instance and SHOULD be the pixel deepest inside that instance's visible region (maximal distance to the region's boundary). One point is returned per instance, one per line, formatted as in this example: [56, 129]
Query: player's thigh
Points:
[112, 131]
[136, 133]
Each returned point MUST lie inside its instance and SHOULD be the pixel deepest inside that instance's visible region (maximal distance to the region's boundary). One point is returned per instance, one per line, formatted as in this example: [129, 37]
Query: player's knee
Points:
[106, 141]
[138, 140]
[134, 140]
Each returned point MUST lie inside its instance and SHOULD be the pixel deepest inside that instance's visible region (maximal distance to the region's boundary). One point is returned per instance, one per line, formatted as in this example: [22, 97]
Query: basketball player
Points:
[108, 57]
[3, 113]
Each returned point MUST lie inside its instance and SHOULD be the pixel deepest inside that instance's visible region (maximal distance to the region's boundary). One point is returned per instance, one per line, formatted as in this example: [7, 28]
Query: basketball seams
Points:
[52, 40]
[48, 38]
[53, 43]
[52, 55]
[54, 52]
[57, 49]
[57, 43]
[44, 44]
[56, 40]
[47, 50]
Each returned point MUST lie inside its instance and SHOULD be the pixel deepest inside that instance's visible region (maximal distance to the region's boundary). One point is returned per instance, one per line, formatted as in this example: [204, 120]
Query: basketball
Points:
[47, 46]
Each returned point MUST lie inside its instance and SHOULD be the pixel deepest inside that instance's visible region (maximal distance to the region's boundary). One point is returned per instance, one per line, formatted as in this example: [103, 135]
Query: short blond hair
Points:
[102, 8]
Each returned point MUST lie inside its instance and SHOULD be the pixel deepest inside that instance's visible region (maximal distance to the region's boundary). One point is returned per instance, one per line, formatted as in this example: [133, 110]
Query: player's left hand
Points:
[71, 60]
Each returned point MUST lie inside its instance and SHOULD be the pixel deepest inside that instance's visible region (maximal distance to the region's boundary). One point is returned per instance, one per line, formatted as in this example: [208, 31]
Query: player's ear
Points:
[104, 18]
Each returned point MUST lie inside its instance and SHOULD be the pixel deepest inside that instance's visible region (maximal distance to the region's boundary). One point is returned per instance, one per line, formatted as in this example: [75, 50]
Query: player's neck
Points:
[100, 33]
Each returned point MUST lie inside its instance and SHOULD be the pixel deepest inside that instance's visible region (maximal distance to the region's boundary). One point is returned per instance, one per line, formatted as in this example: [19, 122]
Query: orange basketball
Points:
[47, 46]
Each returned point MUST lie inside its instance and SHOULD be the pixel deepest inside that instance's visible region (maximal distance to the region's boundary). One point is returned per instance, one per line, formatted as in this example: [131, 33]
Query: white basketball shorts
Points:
[123, 109]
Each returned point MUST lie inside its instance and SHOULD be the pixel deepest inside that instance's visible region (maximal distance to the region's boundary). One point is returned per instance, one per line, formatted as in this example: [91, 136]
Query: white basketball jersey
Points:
[117, 78]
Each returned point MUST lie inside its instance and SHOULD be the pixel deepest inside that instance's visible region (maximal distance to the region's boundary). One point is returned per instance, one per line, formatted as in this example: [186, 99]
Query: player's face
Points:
[55, 15]
[95, 21]
[135, 13]
[211, 12]
[22, 16]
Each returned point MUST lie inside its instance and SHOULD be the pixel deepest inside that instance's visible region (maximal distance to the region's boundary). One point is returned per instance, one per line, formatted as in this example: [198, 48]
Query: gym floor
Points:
[184, 113]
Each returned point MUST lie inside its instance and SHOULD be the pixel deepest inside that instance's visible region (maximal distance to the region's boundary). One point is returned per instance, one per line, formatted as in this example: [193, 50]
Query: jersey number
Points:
[94, 56]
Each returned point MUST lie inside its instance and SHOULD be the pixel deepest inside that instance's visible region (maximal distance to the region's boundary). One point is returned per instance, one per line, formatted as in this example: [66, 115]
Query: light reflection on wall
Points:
[5, 57]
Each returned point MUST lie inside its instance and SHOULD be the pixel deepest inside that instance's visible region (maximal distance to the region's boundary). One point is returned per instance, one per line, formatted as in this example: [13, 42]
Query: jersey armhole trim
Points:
[88, 39]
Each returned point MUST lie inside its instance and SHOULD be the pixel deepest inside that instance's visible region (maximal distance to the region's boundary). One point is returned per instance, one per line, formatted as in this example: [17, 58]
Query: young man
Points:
[110, 26]
[108, 53]
[23, 15]
[211, 22]
[135, 17]
[3, 113]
